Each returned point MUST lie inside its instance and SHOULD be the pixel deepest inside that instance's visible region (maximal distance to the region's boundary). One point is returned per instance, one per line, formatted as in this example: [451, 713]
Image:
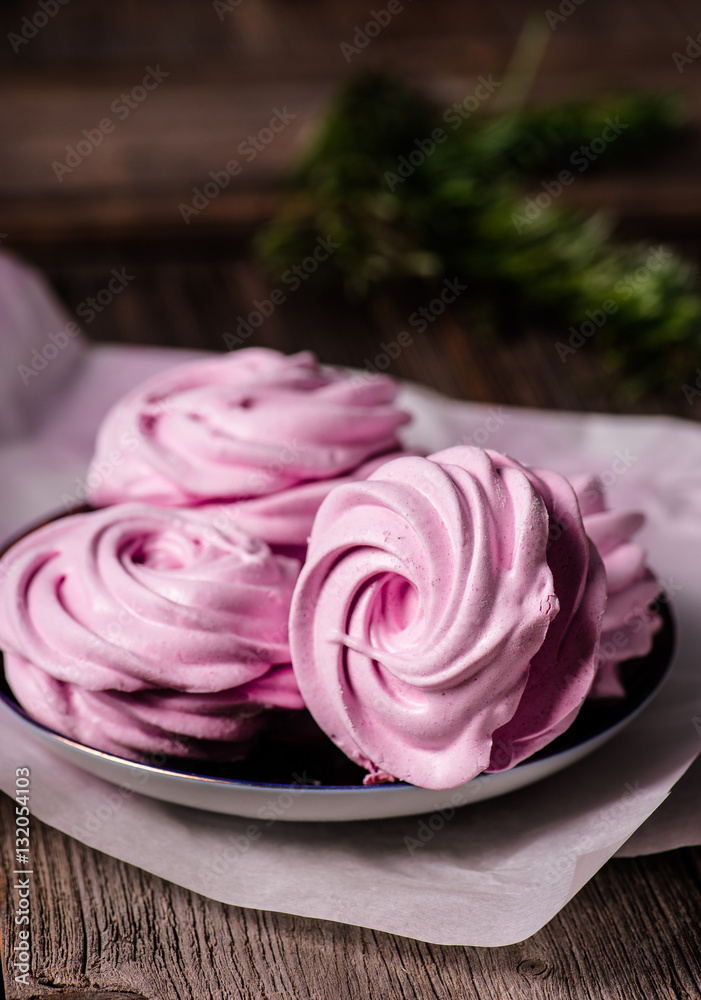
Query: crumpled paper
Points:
[493, 872]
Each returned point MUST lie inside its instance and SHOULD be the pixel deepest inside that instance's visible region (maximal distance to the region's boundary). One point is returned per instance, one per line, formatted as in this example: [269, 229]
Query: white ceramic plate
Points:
[324, 803]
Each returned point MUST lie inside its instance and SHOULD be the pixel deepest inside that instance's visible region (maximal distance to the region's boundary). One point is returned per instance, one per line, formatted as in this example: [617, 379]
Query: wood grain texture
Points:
[138, 177]
[195, 303]
[225, 75]
[102, 929]
[284, 40]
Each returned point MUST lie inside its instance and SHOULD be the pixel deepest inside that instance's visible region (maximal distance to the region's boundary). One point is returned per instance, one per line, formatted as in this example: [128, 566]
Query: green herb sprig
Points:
[459, 210]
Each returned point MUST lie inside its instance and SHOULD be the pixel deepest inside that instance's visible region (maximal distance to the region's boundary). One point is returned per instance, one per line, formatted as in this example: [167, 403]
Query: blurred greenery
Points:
[405, 206]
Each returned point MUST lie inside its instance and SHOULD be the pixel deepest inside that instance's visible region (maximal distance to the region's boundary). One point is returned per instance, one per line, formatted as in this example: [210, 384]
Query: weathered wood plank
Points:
[136, 180]
[102, 929]
[276, 39]
[193, 304]
[226, 74]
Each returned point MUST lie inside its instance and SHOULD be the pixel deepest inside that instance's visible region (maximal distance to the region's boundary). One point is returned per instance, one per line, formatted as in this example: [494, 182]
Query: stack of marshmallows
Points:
[262, 544]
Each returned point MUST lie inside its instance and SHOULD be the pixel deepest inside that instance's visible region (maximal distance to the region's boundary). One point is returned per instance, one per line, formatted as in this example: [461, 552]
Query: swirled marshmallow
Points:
[147, 725]
[241, 425]
[439, 627]
[284, 520]
[135, 605]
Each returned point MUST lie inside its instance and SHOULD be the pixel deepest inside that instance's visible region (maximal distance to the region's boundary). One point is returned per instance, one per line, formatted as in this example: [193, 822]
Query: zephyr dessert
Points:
[261, 545]
[441, 628]
[248, 424]
[142, 630]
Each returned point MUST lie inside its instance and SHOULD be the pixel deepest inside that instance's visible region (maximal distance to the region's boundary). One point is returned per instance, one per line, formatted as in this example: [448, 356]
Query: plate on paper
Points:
[312, 780]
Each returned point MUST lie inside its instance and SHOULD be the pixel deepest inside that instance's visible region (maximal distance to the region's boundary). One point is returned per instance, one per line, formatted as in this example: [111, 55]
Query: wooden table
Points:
[103, 929]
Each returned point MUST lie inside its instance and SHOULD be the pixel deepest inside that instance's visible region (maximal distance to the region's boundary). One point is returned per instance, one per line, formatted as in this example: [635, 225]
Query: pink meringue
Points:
[151, 602]
[142, 724]
[284, 520]
[629, 622]
[438, 628]
[241, 425]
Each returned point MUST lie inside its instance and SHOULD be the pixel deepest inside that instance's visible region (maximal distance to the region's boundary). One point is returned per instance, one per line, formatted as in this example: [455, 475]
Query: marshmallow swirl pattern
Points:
[244, 425]
[140, 725]
[422, 625]
[284, 520]
[133, 617]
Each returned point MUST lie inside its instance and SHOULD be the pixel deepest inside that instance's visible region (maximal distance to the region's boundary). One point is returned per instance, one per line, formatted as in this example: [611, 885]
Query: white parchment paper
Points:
[496, 871]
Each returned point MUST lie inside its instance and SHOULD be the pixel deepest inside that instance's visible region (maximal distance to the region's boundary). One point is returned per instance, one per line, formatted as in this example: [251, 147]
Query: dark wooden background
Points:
[120, 205]
[103, 929]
